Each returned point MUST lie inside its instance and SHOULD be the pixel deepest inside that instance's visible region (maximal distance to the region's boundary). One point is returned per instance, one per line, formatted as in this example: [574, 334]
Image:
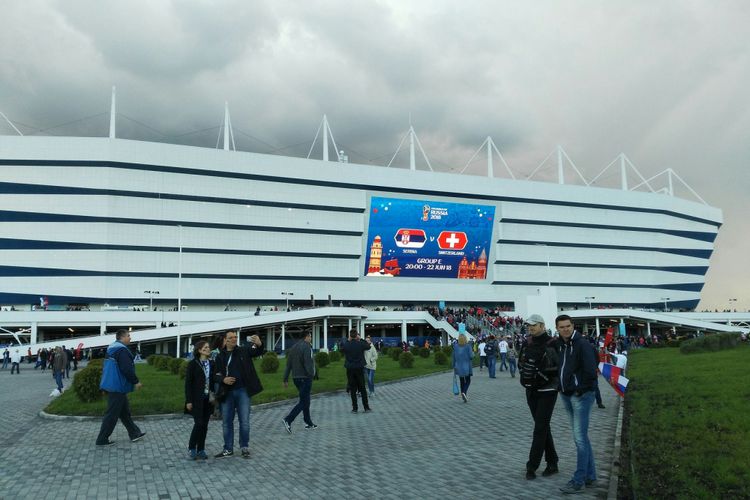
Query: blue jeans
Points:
[512, 366]
[304, 385]
[370, 380]
[491, 361]
[503, 359]
[579, 411]
[238, 400]
[58, 378]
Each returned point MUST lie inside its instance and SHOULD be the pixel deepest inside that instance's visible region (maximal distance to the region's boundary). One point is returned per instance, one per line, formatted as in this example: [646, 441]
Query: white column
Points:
[34, 332]
[271, 337]
[598, 329]
[283, 337]
[103, 328]
[403, 330]
[325, 335]
[349, 328]
[179, 294]
[648, 328]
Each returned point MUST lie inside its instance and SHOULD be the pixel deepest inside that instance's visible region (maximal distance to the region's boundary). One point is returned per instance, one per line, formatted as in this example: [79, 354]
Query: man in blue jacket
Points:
[577, 370]
[117, 397]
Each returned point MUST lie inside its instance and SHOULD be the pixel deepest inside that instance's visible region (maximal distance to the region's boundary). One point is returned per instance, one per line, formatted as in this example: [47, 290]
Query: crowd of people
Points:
[221, 379]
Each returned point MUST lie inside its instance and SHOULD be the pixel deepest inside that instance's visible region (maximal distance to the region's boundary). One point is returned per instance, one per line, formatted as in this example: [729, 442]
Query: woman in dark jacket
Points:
[198, 383]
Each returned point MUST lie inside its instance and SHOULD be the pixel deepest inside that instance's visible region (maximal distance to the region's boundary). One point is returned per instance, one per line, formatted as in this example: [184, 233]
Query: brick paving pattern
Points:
[419, 442]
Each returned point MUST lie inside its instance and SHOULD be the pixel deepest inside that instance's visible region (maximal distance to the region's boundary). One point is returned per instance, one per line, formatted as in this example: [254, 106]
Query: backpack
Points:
[532, 363]
[112, 378]
[489, 349]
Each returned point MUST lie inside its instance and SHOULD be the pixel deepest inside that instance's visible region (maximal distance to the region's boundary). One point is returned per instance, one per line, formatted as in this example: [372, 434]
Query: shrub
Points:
[182, 372]
[269, 363]
[96, 362]
[424, 352]
[710, 343]
[673, 343]
[86, 383]
[174, 365]
[322, 359]
[334, 356]
[448, 350]
[406, 360]
[395, 353]
[162, 363]
[151, 359]
[441, 358]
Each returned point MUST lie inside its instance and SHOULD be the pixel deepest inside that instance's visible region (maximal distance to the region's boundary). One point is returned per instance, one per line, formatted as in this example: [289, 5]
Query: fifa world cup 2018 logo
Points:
[426, 213]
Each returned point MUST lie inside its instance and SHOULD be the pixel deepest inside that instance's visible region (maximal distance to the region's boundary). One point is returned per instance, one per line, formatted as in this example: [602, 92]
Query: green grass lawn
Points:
[689, 423]
[164, 392]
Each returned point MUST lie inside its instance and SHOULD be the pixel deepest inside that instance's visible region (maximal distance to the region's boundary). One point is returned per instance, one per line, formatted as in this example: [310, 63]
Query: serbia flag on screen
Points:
[614, 377]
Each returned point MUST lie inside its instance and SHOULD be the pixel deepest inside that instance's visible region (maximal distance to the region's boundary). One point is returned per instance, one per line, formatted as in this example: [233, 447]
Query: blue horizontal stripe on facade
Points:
[685, 287]
[688, 252]
[694, 235]
[19, 188]
[12, 216]
[699, 270]
[343, 185]
[19, 244]
[28, 272]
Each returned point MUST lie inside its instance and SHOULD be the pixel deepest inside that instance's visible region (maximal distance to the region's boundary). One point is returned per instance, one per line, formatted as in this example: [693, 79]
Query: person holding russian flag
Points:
[577, 373]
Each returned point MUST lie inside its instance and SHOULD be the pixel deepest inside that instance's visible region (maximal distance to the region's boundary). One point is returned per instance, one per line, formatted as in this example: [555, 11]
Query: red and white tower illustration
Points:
[376, 254]
[482, 266]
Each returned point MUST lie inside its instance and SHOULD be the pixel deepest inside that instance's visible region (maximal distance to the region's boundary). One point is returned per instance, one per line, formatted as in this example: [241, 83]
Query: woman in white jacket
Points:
[371, 361]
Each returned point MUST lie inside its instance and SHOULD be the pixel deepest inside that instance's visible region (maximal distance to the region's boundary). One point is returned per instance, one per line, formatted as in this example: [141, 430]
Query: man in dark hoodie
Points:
[577, 374]
[354, 353]
[117, 397]
[538, 374]
[300, 363]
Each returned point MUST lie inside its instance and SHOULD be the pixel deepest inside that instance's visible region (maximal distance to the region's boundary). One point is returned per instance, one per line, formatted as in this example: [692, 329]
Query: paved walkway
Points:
[419, 442]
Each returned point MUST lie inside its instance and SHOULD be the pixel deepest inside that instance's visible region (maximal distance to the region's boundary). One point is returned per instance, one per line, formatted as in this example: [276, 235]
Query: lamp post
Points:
[589, 299]
[151, 294]
[665, 299]
[287, 294]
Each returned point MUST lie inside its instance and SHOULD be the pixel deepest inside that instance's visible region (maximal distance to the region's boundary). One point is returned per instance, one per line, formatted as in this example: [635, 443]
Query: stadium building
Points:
[89, 222]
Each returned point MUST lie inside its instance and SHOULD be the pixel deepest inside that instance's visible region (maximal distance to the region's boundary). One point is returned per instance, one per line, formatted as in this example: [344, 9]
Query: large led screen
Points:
[428, 239]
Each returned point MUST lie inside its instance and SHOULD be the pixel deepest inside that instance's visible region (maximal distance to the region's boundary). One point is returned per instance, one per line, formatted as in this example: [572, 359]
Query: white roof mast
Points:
[112, 114]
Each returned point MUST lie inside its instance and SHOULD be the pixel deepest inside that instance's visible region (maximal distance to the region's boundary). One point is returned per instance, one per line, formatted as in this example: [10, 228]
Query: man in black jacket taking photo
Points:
[354, 353]
[300, 362]
[239, 382]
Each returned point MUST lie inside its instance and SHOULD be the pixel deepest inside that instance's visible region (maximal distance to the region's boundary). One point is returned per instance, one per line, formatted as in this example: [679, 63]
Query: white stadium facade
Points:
[98, 223]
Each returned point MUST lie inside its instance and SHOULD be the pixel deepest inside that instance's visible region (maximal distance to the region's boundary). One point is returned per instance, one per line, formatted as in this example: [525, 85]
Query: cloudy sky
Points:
[665, 82]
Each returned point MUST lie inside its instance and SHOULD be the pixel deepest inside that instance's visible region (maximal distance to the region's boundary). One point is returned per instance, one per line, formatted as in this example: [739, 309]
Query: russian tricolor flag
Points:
[613, 375]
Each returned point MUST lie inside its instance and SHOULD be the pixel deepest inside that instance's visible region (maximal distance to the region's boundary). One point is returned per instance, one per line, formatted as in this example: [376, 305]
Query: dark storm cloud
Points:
[664, 82]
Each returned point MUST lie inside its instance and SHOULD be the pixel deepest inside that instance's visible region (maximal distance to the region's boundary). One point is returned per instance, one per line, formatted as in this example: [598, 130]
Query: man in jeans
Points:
[239, 383]
[299, 361]
[503, 348]
[577, 372]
